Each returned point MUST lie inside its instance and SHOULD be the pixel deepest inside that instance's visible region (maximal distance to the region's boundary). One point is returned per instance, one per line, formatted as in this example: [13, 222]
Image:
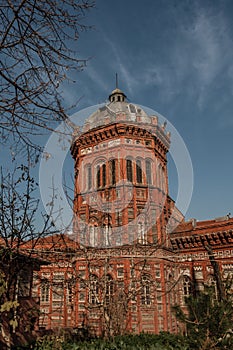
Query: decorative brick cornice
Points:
[100, 134]
[195, 240]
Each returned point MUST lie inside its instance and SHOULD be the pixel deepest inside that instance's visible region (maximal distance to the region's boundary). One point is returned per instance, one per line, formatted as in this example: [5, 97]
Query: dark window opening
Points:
[132, 108]
[139, 171]
[98, 177]
[148, 172]
[129, 168]
[113, 171]
[104, 175]
[89, 179]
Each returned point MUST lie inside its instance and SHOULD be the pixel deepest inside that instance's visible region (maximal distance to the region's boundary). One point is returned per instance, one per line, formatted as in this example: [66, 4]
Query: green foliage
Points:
[208, 321]
[2, 281]
[8, 305]
[163, 341]
[49, 342]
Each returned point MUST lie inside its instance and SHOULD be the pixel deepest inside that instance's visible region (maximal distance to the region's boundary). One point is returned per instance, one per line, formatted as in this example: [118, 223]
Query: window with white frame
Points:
[187, 286]
[109, 292]
[44, 292]
[146, 290]
[93, 290]
[107, 231]
[141, 231]
[93, 234]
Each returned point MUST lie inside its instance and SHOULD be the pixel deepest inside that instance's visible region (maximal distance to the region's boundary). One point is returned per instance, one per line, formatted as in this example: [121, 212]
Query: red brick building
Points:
[131, 255]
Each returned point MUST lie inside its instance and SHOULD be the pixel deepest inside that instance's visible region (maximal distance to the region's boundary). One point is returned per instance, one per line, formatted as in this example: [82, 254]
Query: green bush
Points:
[143, 341]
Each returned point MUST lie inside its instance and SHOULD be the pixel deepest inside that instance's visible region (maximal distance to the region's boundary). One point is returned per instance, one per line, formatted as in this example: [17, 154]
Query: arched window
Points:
[148, 172]
[187, 286]
[98, 182]
[132, 108]
[93, 235]
[107, 232]
[89, 177]
[113, 171]
[109, 289]
[104, 175]
[93, 290]
[139, 171]
[145, 290]
[141, 232]
[129, 170]
[161, 177]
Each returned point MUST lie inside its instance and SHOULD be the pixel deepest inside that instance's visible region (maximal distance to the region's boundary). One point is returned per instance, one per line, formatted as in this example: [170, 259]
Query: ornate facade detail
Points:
[121, 250]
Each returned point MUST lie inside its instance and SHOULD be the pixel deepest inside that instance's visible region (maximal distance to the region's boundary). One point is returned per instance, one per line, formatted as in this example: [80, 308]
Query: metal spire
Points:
[116, 81]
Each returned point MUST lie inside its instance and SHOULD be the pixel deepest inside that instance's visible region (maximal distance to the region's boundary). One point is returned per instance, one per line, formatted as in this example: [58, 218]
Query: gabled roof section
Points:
[197, 234]
[57, 242]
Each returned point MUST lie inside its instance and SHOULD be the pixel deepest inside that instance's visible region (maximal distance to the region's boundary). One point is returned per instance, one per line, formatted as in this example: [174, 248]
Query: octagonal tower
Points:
[121, 181]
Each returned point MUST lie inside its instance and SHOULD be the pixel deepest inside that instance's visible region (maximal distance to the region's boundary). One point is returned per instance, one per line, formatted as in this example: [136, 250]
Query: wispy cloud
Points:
[97, 78]
[120, 65]
[211, 50]
[197, 58]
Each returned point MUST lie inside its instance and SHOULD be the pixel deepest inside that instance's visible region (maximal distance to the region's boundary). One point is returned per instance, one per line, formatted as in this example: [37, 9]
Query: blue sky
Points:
[175, 57]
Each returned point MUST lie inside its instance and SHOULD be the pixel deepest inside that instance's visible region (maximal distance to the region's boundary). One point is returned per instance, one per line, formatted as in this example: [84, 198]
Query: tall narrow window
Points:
[141, 233]
[93, 235]
[94, 290]
[129, 170]
[145, 291]
[187, 286]
[113, 171]
[69, 293]
[98, 176]
[163, 182]
[148, 172]
[107, 231]
[161, 177]
[104, 175]
[89, 178]
[109, 289]
[44, 292]
[139, 171]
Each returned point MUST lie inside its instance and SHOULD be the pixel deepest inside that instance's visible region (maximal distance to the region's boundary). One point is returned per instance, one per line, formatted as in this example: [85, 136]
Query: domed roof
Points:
[116, 110]
[117, 91]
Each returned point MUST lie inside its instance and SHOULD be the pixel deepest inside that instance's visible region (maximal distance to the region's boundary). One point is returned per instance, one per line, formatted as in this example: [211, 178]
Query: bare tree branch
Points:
[37, 41]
